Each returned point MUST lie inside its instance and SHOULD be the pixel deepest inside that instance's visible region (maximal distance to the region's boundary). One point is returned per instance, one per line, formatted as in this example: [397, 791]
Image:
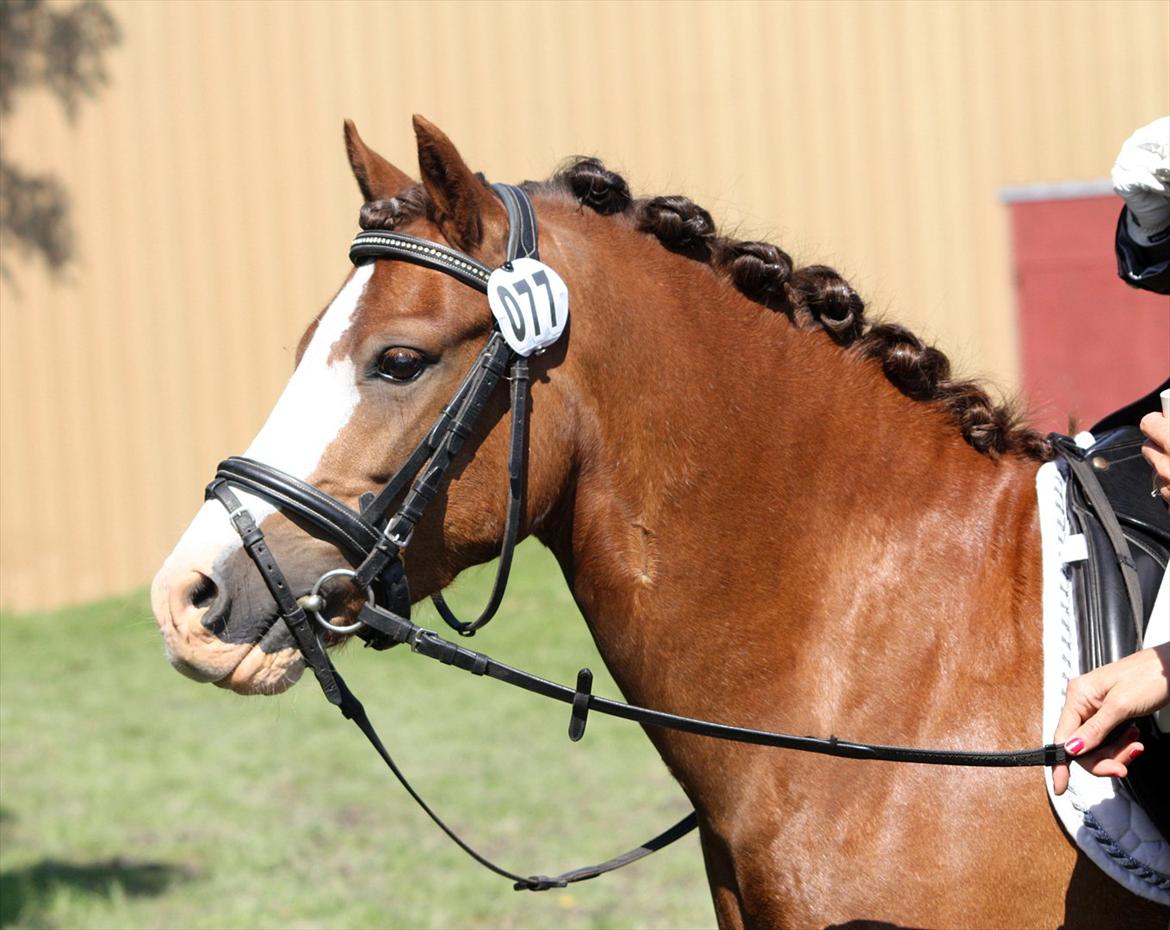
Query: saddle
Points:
[1125, 532]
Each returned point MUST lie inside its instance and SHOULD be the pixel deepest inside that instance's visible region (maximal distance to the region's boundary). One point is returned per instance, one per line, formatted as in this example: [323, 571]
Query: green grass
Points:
[131, 797]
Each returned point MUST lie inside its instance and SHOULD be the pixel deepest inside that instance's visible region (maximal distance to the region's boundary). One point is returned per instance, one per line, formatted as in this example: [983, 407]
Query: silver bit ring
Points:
[314, 602]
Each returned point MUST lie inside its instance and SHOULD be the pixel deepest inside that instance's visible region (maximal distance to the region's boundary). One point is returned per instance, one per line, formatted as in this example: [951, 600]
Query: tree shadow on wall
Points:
[26, 892]
[61, 49]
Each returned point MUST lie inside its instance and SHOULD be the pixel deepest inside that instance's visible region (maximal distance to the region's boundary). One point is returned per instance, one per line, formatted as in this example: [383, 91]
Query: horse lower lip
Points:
[188, 670]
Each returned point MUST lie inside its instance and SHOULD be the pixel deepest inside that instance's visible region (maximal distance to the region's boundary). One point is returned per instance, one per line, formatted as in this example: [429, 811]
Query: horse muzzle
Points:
[218, 621]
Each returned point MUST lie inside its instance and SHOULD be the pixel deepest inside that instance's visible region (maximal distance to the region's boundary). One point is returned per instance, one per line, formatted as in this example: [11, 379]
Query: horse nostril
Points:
[203, 592]
[195, 602]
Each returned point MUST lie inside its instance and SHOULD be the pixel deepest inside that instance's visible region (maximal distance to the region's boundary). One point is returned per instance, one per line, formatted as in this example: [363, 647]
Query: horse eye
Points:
[400, 364]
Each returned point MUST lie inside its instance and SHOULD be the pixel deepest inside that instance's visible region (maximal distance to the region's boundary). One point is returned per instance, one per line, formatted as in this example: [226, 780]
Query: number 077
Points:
[523, 287]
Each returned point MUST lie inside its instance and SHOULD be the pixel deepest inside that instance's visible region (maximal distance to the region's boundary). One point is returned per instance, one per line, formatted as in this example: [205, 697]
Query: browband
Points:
[370, 244]
[379, 243]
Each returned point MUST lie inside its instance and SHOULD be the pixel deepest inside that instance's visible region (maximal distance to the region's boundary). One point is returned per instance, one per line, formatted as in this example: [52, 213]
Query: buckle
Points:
[401, 542]
[421, 637]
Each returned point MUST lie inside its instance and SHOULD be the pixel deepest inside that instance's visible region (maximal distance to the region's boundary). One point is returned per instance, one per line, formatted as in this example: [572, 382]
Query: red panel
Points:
[1089, 342]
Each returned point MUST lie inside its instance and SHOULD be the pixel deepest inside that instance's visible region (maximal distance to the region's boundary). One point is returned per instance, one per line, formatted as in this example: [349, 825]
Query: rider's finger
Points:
[1070, 718]
[1097, 728]
[1112, 759]
[1059, 779]
[1158, 459]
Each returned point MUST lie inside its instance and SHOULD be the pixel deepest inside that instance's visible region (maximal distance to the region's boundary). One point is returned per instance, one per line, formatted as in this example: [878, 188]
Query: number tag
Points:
[531, 304]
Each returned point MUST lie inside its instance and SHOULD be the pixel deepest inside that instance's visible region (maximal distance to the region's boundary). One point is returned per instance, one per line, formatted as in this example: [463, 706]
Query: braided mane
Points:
[813, 297]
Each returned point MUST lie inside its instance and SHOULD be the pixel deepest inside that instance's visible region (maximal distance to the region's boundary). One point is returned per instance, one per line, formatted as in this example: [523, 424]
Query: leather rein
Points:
[375, 538]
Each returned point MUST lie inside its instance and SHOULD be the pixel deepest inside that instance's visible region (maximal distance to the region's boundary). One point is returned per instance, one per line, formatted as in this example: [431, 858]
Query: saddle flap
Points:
[1105, 613]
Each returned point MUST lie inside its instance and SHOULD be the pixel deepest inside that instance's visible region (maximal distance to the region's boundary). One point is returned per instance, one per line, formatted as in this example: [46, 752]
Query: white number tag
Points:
[531, 304]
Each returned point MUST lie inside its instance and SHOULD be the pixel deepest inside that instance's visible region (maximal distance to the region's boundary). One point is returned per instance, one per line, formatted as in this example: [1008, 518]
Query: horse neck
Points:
[749, 497]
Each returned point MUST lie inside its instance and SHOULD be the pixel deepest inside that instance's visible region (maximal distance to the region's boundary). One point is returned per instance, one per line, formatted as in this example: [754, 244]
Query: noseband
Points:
[374, 538]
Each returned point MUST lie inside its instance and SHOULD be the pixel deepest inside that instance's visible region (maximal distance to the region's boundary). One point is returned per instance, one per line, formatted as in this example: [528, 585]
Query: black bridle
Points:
[374, 539]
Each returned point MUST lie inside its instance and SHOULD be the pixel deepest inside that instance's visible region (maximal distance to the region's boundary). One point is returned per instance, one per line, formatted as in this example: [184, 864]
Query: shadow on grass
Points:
[26, 892]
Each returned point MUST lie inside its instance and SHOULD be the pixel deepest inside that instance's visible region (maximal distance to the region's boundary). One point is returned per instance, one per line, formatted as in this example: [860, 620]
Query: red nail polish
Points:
[1074, 745]
[1135, 752]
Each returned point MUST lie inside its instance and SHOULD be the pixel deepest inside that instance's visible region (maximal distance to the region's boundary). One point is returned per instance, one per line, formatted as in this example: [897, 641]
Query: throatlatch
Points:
[375, 538]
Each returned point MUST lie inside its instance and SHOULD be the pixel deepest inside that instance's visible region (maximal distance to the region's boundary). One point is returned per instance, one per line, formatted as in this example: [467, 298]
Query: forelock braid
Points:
[814, 297]
[396, 211]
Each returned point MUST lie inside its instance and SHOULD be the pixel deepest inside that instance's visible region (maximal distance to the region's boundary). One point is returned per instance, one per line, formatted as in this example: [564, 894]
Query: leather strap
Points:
[664, 839]
[353, 534]
[1084, 475]
[352, 708]
[286, 602]
[522, 242]
[378, 243]
[490, 366]
[428, 643]
[522, 231]
[376, 508]
[516, 472]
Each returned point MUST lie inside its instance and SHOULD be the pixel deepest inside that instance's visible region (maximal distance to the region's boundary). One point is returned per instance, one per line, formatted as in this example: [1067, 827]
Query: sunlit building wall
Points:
[213, 205]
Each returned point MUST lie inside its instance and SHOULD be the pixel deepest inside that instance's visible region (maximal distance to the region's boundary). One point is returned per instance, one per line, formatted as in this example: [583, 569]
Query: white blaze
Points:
[315, 406]
[319, 398]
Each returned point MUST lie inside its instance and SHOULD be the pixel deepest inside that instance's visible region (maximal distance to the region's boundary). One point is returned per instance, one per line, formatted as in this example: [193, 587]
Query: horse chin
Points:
[261, 672]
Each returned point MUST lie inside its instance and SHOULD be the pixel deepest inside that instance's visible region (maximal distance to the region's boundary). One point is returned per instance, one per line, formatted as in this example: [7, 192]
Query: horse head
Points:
[373, 371]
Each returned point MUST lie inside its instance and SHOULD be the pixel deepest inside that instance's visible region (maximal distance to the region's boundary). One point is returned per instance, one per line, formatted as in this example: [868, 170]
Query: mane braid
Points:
[814, 297]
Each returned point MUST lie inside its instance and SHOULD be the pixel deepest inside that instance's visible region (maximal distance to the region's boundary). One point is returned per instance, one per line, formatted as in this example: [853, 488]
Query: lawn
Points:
[133, 798]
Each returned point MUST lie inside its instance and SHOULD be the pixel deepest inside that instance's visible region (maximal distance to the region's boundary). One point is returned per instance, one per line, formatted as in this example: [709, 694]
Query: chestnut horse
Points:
[771, 513]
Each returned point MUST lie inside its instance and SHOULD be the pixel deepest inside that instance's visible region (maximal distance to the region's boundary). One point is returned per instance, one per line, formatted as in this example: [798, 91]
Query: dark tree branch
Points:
[63, 50]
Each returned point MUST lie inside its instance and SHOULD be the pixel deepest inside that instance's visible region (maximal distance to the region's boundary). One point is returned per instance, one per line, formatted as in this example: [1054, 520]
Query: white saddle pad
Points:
[1096, 812]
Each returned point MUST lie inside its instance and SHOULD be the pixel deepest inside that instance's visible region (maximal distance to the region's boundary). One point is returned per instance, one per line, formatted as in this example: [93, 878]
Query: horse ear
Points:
[464, 203]
[377, 178]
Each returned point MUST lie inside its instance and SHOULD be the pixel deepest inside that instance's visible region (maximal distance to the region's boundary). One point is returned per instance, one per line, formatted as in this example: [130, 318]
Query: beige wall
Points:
[213, 204]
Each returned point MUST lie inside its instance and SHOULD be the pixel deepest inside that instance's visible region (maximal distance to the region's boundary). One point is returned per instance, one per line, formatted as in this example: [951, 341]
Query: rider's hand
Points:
[1141, 176]
[1156, 450]
[1105, 697]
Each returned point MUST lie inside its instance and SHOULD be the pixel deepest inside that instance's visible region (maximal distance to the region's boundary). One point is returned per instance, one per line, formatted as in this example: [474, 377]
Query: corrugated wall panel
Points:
[213, 204]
